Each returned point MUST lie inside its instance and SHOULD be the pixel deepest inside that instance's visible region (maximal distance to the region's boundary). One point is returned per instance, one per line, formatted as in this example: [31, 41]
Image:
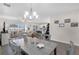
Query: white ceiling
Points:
[43, 9]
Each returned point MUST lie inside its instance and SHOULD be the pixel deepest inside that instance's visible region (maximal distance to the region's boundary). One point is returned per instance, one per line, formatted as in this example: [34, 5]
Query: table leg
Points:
[55, 51]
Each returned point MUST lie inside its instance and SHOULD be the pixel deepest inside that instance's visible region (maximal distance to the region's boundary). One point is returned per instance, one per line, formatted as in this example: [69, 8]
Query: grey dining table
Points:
[31, 47]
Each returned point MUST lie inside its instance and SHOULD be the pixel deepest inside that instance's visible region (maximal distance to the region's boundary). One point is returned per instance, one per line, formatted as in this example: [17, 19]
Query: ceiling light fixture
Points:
[31, 15]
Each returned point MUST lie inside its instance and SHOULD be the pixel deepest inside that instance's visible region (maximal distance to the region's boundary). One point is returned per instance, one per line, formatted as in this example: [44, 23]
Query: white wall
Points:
[13, 20]
[42, 20]
[67, 33]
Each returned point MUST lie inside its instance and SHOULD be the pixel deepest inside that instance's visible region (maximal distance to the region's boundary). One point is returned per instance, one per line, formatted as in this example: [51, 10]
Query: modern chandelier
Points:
[31, 14]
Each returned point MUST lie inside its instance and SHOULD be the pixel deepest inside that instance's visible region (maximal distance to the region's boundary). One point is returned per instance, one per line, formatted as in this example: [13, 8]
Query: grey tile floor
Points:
[62, 49]
[6, 50]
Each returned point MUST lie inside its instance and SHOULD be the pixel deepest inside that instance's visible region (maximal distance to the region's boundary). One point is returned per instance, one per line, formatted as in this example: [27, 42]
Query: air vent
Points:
[7, 4]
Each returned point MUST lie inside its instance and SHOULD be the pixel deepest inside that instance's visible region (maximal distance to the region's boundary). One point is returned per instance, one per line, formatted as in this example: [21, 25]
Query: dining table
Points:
[31, 47]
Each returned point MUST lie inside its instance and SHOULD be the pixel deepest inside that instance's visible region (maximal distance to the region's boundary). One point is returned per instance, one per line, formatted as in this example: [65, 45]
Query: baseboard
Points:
[65, 42]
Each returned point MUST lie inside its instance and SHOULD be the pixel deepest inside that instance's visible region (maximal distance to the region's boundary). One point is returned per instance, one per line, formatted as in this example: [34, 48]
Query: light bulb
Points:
[26, 13]
[36, 16]
[34, 13]
[30, 17]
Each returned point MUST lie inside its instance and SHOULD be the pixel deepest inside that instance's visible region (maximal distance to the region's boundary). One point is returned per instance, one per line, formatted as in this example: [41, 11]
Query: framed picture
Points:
[56, 21]
[61, 25]
[74, 24]
[67, 20]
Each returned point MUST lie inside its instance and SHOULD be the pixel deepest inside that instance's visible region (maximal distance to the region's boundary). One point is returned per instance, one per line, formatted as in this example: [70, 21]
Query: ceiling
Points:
[43, 9]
